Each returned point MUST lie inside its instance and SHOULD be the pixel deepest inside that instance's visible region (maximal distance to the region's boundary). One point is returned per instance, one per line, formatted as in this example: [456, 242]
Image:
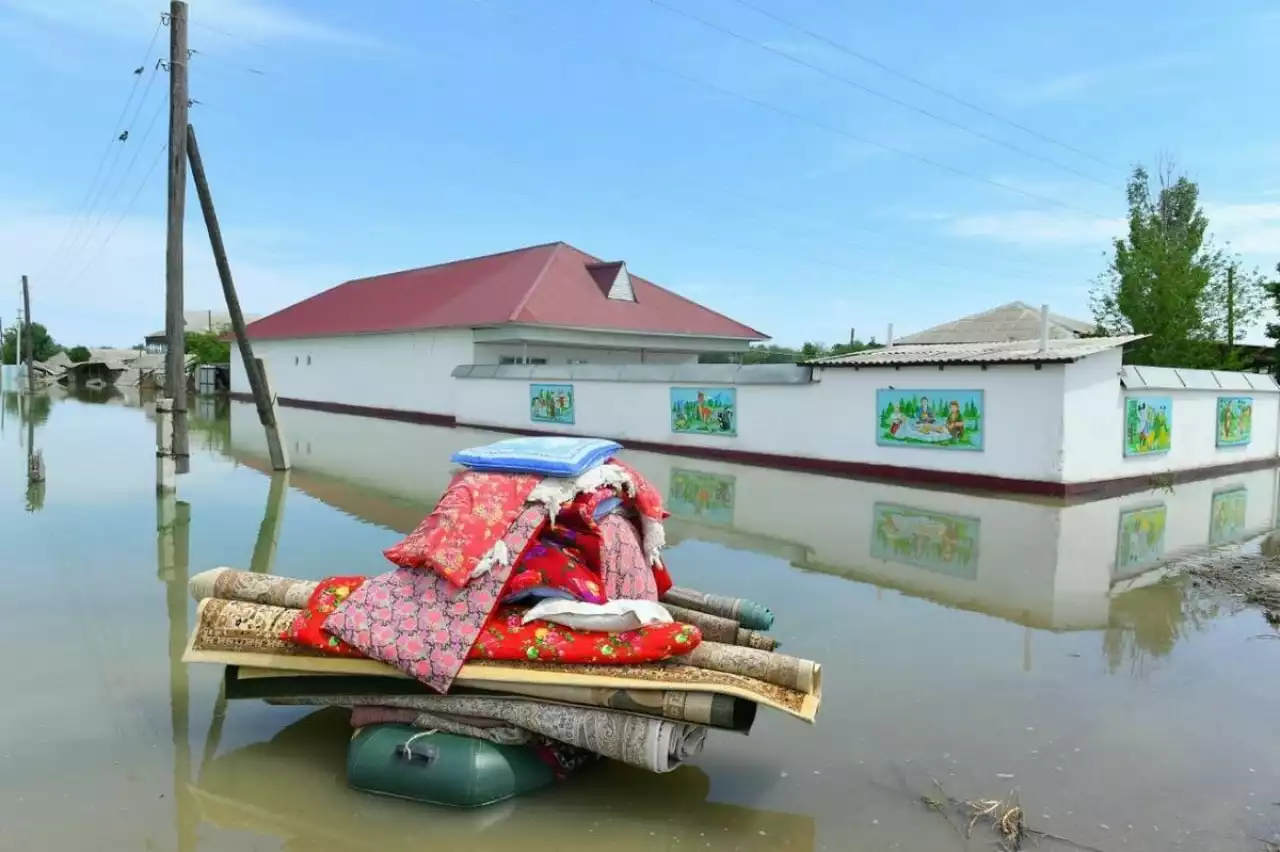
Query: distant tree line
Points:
[760, 353]
[206, 346]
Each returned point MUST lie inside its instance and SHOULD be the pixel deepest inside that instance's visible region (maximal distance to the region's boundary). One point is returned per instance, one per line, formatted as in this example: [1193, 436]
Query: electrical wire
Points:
[76, 242]
[675, 10]
[862, 57]
[818, 123]
[123, 213]
[137, 151]
[113, 144]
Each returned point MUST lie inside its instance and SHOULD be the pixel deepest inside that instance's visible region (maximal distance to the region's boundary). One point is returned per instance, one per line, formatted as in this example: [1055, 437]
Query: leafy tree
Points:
[208, 348]
[1272, 289]
[1235, 301]
[773, 354]
[1158, 282]
[44, 347]
[79, 354]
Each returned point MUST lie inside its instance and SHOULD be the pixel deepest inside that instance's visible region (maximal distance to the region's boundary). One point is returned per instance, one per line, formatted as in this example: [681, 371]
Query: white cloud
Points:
[248, 21]
[1038, 228]
[1247, 227]
[112, 292]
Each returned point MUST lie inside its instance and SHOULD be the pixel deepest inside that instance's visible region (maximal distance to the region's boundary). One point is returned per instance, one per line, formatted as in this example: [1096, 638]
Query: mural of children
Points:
[704, 410]
[925, 415]
[1228, 422]
[955, 421]
[1144, 424]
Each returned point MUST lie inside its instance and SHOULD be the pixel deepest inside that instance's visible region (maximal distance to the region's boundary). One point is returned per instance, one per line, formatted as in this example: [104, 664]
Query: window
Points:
[308, 360]
[515, 359]
[577, 360]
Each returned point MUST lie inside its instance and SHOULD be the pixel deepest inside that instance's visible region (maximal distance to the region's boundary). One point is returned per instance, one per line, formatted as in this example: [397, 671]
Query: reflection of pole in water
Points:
[173, 537]
[264, 549]
[1026, 647]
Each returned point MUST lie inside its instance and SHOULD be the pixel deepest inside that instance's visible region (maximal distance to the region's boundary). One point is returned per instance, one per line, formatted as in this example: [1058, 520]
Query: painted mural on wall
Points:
[939, 419]
[1227, 514]
[1141, 539]
[705, 411]
[934, 541]
[1235, 421]
[551, 403]
[1148, 425]
[699, 496]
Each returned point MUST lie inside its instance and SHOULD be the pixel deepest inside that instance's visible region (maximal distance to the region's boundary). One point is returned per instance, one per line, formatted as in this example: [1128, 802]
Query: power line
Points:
[862, 57]
[124, 177]
[822, 125]
[122, 139]
[123, 213]
[113, 144]
[875, 92]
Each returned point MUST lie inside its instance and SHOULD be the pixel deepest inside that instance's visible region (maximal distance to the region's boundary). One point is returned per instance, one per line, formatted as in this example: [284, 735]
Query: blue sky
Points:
[345, 139]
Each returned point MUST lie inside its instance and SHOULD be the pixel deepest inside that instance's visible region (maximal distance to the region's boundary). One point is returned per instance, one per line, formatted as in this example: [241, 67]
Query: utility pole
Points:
[175, 370]
[26, 312]
[254, 369]
[1231, 306]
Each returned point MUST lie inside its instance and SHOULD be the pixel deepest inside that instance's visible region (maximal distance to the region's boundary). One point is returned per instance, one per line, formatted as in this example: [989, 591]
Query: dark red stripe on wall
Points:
[830, 467]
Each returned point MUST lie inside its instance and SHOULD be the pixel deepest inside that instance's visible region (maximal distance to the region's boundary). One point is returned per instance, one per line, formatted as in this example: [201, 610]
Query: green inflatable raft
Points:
[441, 769]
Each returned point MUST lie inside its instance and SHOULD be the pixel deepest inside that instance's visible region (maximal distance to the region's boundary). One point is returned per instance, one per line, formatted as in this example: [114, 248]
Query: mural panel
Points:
[551, 403]
[705, 411]
[1227, 514]
[1235, 421]
[936, 419]
[1148, 425]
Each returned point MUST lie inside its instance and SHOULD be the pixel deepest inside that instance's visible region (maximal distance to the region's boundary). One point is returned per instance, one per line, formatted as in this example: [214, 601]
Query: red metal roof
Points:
[549, 284]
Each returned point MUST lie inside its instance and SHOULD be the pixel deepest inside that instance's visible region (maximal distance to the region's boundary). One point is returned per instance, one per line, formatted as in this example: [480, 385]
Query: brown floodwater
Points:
[989, 644]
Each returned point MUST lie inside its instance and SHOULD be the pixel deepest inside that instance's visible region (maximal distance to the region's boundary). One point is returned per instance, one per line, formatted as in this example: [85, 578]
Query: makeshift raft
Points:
[529, 628]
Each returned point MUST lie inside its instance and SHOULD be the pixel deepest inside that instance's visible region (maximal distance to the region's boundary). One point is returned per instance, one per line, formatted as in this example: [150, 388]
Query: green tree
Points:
[79, 354]
[208, 348]
[1235, 301]
[1158, 282]
[1272, 289]
[43, 346]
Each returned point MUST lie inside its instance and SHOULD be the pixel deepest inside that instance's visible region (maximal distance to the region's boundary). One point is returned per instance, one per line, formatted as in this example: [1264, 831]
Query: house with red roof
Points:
[391, 342]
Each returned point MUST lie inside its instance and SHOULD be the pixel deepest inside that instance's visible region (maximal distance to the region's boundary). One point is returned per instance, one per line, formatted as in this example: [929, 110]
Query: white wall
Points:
[490, 353]
[834, 418]
[1039, 563]
[407, 372]
[1094, 418]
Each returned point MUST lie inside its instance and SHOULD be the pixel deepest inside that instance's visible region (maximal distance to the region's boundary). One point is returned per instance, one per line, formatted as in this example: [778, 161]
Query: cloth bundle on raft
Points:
[530, 615]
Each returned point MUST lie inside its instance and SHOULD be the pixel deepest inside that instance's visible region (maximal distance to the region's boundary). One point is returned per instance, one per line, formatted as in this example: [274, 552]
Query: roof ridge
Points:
[537, 279]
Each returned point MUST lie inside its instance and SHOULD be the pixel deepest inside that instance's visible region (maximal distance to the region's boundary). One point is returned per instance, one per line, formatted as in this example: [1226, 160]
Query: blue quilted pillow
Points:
[547, 456]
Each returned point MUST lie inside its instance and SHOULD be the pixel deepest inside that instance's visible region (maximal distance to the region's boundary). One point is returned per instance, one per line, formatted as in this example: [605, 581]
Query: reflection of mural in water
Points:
[1235, 421]
[1141, 538]
[551, 403]
[708, 411]
[935, 541]
[1148, 425]
[1227, 514]
[701, 496]
[938, 419]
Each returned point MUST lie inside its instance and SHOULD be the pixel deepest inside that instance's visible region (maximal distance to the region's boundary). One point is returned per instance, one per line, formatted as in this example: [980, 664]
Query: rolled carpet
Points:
[726, 712]
[653, 744]
[230, 584]
[748, 613]
[778, 669]
[716, 628]
[501, 734]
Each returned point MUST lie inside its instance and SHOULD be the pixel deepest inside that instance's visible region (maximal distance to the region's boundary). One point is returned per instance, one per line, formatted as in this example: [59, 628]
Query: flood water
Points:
[991, 644]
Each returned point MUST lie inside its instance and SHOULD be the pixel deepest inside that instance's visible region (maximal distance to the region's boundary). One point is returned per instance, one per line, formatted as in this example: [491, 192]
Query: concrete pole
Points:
[1044, 328]
[888, 341]
[166, 467]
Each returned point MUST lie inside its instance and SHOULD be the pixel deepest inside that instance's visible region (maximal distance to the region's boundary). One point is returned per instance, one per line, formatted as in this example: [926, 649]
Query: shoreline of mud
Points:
[1249, 572]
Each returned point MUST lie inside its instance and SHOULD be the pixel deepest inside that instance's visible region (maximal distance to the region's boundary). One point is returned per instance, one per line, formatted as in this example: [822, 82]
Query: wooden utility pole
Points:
[175, 365]
[26, 314]
[253, 368]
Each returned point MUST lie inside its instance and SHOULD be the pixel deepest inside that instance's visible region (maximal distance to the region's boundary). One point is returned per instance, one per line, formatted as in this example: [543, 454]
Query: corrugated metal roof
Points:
[1010, 352]
[1139, 377]
[1011, 322]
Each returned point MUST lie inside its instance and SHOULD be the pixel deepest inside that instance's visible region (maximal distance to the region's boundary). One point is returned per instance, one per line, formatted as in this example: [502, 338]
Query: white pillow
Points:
[611, 617]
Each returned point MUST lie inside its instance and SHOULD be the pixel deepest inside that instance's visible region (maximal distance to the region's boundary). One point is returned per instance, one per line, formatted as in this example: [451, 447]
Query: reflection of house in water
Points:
[1040, 564]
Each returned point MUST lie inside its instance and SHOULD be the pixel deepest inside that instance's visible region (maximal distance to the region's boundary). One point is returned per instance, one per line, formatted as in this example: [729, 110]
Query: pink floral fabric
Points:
[418, 622]
[624, 570]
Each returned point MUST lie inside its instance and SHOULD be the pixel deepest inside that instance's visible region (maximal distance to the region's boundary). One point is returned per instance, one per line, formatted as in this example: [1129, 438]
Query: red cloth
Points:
[550, 564]
[308, 628]
[577, 526]
[504, 638]
[648, 499]
[475, 511]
